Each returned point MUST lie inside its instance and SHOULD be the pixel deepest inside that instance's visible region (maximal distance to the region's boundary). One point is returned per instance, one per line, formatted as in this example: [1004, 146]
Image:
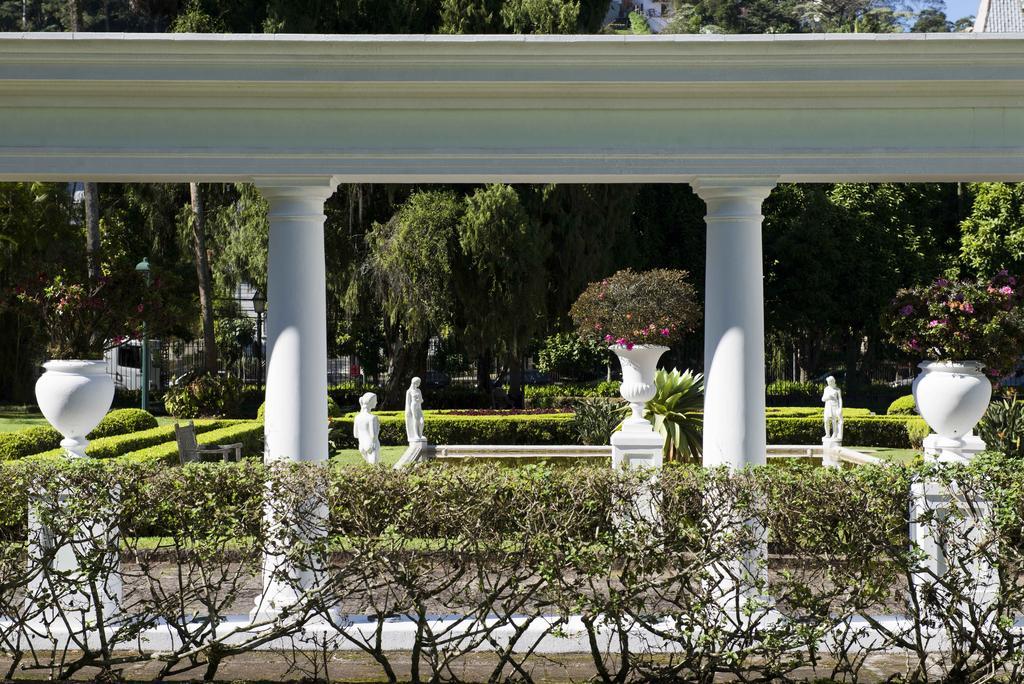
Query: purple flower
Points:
[914, 344]
[942, 282]
[1011, 280]
[906, 310]
[1004, 272]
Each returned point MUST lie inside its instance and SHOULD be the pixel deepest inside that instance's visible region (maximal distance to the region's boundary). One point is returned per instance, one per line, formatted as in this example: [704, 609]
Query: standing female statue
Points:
[366, 429]
[414, 412]
[833, 399]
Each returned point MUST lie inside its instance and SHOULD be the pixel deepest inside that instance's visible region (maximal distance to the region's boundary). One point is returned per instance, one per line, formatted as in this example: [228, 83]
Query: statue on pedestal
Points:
[414, 412]
[366, 429]
[833, 399]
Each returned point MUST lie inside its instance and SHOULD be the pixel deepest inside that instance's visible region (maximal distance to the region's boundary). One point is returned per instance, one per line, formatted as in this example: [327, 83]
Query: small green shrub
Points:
[876, 431]
[917, 430]
[123, 422]
[204, 395]
[596, 419]
[904, 406]
[1002, 427]
[569, 356]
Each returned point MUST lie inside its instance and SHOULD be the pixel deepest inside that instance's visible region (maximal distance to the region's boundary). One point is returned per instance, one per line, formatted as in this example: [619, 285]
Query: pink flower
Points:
[597, 326]
[608, 338]
[967, 308]
[914, 344]
[621, 340]
[906, 310]
[1006, 290]
[629, 346]
[933, 323]
[665, 332]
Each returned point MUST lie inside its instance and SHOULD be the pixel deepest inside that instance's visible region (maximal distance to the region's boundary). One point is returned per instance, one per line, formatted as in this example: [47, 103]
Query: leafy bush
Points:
[123, 422]
[556, 542]
[34, 440]
[564, 395]
[595, 420]
[961, 320]
[449, 429]
[875, 431]
[1002, 427]
[200, 395]
[118, 445]
[904, 406]
[650, 307]
[790, 393]
[569, 356]
[249, 433]
[675, 412]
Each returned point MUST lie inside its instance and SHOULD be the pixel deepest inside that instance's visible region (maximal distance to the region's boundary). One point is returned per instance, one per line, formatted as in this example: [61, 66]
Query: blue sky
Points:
[961, 8]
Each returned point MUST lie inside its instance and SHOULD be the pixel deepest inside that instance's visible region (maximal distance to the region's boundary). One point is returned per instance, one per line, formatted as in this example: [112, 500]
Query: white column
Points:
[734, 422]
[296, 423]
[296, 390]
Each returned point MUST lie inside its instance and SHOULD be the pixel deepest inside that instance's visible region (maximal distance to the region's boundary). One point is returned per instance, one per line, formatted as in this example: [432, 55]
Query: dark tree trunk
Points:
[405, 358]
[515, 381]
[92, 229]
[483, 372]
[210, 362]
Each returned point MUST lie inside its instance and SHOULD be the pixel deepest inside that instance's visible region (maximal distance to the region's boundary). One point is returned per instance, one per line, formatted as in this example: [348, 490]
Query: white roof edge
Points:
[982, 18]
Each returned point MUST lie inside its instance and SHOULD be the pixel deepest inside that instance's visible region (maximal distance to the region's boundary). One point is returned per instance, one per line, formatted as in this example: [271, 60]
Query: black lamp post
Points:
[259, 305]
[143, 268]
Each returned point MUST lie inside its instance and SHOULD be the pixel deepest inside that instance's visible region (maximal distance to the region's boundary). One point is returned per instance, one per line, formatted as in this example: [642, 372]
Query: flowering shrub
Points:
[961, 320]
[81, 318]
[650, 307]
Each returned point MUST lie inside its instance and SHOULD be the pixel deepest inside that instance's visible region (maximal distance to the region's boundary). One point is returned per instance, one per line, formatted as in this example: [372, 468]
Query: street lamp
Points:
[143, 268]
[259, 305]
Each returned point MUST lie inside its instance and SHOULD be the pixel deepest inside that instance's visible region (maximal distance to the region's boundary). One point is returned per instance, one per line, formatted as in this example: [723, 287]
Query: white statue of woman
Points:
[366, 429]
[833, 399]
[414, 412]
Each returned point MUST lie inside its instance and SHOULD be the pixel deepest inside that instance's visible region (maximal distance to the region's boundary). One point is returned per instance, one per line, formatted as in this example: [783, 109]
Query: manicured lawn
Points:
[12, 421]
[389, 455]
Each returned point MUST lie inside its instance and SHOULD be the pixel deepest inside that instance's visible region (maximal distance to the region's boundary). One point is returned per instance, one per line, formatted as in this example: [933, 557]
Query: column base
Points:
[830, 451]
[419, 450]
[637, 448]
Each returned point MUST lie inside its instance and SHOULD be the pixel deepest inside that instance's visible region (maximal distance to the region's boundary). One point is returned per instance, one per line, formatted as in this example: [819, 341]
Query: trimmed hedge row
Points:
[249, 433]
[553, 428]
[34, 440]
[784, 426]
[811, 411]
[118, 445]
[898, 432]
[904, 406]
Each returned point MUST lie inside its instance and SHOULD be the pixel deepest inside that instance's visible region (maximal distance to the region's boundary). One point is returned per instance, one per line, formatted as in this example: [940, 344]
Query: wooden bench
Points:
[190, 451]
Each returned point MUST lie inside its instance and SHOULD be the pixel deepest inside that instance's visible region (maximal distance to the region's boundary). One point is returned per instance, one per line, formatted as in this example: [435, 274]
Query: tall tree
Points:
[197, 223]
[992, 236]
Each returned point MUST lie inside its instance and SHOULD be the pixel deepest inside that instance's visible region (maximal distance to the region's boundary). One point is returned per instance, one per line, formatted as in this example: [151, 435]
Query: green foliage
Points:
[563, 395]
[570, 357]
[874, 431]
[333, 410]
[675, 412]
[992, 236]
[35, 440]
[904, 406]
[650, 307]
[119, 445]
[1002, 427]
[556, 428]
[917, 430]
[249, 433]
[595, 420]
[204, 395]
[791, 393]
[961, 320]
[638, 24]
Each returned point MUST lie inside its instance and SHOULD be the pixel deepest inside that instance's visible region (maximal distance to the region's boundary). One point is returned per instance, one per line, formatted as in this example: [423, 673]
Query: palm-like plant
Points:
[676, 413]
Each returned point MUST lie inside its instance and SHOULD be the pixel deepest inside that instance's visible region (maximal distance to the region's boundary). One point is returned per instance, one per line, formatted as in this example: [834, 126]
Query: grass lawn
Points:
[12, 421]
[389, 455]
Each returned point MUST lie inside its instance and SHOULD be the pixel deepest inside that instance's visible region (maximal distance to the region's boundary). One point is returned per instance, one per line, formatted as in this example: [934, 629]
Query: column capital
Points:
[296, 187]
[757, 188]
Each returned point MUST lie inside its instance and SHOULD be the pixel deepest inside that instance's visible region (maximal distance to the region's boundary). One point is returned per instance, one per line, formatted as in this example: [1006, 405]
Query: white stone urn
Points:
[639, 367]
[74, 396]
[952, 396]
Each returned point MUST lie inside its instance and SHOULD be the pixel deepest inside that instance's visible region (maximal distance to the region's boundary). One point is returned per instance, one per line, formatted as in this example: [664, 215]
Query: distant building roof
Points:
[1000, 16]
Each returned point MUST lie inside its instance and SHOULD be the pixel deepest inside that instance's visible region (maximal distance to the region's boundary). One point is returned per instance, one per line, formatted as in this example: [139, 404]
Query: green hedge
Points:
[561, 396]
[34, 440]
[249, 433]
[904, 406]
[118, 445]
[555, 428]
[812, 411]
[875, 431]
